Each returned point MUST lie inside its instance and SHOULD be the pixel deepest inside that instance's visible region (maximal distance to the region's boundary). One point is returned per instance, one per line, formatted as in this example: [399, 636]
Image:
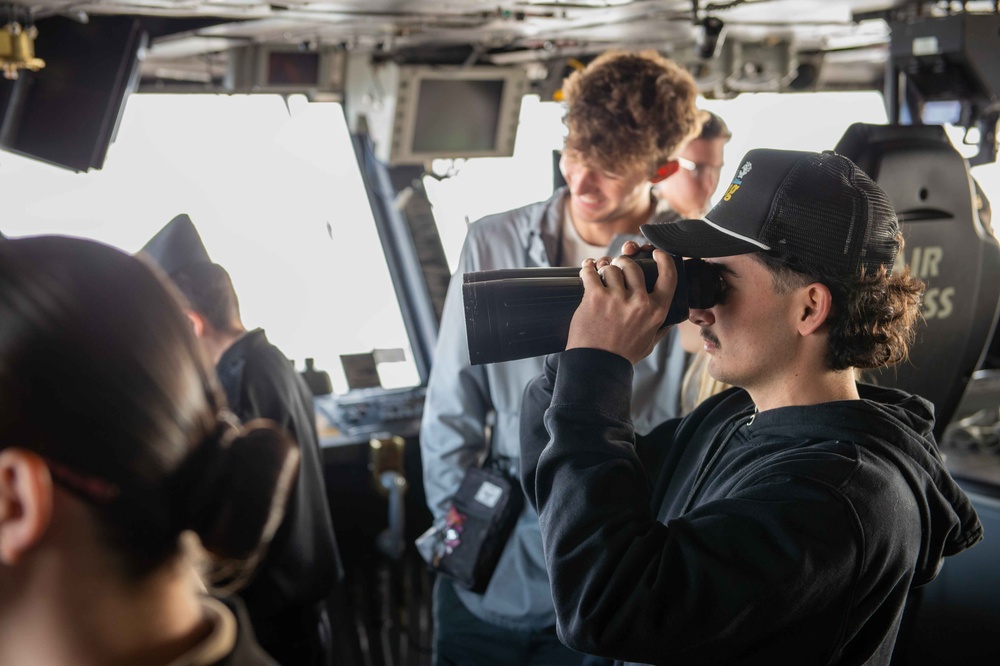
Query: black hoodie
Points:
[730, 537]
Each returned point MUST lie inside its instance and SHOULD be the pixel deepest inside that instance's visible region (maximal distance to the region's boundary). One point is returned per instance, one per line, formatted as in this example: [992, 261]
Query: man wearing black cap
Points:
[286, 597]
[783, 521]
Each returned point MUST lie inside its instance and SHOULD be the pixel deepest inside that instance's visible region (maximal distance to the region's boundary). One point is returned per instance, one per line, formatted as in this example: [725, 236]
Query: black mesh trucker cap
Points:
[816, 209]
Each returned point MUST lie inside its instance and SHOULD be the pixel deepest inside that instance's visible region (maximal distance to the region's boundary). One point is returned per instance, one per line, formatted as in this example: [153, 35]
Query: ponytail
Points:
[231, 492]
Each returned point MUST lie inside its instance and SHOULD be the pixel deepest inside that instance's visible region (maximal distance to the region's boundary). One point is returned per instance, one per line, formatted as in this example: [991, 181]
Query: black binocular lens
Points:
[524, 312]
[705, 286]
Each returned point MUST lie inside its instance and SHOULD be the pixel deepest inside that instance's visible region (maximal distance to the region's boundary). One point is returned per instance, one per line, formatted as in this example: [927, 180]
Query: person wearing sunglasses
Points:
[688, 192]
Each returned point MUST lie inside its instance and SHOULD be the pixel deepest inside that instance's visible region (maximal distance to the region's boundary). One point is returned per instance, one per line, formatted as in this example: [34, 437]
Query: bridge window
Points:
[275, 193]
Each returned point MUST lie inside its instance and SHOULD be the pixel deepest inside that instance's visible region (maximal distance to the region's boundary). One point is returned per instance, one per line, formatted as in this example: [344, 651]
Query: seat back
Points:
[946, 246]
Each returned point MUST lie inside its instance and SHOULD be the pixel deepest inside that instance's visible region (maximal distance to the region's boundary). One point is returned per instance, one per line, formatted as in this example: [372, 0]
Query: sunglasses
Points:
[699, 170]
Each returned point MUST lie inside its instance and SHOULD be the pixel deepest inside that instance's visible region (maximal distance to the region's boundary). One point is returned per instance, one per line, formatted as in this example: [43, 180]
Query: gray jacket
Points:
[470, 408]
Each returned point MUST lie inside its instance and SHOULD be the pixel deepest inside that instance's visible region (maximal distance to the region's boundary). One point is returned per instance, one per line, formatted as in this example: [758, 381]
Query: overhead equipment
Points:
[945, 69]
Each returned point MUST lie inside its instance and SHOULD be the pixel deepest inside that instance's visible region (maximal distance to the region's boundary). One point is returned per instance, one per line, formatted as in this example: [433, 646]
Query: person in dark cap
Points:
[783, 521]
[176, 246]
[115, 446]
[286, 599]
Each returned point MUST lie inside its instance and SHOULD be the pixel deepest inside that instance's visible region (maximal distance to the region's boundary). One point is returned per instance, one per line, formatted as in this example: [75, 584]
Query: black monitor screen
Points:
[293, 68]
[67, 112]
[455, 115]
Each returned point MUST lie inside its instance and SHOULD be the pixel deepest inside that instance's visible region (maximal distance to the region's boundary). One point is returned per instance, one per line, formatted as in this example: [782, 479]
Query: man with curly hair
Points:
[628, 115]
[783, 522]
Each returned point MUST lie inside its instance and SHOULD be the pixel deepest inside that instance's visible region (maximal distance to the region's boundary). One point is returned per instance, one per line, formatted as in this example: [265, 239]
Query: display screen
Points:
[941, 112]
[67, 112]
[457, 115]
[289, 68]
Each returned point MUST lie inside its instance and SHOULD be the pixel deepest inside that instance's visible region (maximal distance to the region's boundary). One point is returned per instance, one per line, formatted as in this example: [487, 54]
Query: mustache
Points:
[710, 337]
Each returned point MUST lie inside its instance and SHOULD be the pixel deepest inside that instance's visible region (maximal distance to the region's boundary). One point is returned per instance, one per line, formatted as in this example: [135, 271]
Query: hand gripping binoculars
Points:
[524, 312]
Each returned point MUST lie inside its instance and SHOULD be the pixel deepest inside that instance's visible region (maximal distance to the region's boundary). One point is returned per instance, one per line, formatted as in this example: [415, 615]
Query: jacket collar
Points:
[540, 230]
[230, 365]
[238, 349]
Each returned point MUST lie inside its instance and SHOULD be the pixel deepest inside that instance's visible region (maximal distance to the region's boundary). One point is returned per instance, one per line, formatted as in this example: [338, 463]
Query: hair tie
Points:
[88, 486]
[227, 428]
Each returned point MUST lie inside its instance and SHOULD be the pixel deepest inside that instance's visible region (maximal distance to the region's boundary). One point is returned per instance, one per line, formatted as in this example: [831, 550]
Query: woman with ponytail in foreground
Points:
[116, 450]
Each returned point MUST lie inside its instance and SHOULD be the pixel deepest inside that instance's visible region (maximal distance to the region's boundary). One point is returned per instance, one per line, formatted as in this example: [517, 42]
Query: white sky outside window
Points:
[261, 187]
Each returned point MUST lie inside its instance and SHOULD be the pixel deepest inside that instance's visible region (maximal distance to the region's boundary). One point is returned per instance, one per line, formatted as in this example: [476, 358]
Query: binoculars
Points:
[524, 312]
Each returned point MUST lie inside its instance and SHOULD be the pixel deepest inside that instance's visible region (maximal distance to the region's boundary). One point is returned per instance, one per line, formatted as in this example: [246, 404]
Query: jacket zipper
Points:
[706, 467]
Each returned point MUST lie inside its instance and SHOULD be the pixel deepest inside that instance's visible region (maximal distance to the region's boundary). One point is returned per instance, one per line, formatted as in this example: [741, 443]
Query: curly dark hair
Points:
[874, 314]
[629, 110]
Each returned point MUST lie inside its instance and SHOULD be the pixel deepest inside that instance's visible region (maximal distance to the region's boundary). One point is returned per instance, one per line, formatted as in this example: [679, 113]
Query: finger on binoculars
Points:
[591, 276]
[612, 276]
[666, 272]
[633, 276]
[603, 261]
[632, 247]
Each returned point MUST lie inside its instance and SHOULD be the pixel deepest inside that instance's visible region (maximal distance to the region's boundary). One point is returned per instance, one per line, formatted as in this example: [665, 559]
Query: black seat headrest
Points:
[946, 245]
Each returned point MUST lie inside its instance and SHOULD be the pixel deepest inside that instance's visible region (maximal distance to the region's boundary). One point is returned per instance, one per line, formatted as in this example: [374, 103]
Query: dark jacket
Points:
[729, 537]
[301, 564]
